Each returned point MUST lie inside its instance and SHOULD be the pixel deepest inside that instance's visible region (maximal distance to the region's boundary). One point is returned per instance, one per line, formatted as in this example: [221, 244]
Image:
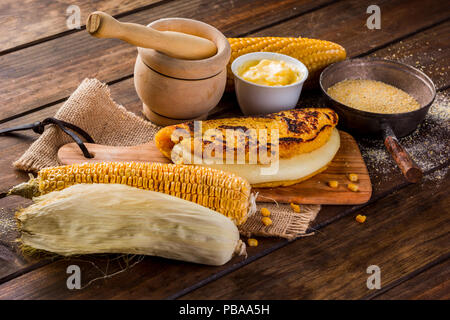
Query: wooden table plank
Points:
[22, 26]
[398, 236]
[414, 50]
[10, 261]
[62, 67]
[384, 174]
[432, 284]
[345, 23]
[310, 265]
[326, 215]
[177, 276]
[428, 51]
[64, 62]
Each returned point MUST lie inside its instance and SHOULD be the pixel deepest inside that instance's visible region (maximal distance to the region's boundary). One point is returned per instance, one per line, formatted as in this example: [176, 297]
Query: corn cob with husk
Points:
[313, 53]
[101, 218]
[221, 191]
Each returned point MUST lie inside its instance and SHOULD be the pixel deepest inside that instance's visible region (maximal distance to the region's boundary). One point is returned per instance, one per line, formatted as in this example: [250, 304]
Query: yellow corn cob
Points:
[313, 53]
[221, 191]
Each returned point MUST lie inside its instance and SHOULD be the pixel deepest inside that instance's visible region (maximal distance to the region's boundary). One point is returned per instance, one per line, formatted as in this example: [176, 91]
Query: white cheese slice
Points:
[294, 168]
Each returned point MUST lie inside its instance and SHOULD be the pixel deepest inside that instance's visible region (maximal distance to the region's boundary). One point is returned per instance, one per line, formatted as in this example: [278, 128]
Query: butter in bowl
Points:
[267, 82]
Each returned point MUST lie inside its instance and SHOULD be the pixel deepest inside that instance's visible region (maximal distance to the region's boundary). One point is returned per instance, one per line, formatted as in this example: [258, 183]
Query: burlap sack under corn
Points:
[91, 108]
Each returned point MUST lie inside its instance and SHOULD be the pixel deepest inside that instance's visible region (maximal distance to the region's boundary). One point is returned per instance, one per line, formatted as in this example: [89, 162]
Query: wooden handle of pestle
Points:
[175, 44]
[409, 168]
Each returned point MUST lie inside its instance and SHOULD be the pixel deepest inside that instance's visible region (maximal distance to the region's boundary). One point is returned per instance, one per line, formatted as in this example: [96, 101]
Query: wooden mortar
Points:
[176, 90]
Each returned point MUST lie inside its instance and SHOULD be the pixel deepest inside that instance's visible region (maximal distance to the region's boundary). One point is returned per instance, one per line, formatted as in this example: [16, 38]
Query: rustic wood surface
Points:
[22, 26]
[432, 283]
[305, 270]
[407, 227]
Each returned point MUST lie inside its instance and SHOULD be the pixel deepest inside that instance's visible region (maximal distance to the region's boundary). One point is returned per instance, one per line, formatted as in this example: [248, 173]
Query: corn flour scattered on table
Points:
[428, 144]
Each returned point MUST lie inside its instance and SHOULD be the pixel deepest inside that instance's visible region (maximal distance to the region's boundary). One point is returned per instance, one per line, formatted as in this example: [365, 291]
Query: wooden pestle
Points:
[175, 44]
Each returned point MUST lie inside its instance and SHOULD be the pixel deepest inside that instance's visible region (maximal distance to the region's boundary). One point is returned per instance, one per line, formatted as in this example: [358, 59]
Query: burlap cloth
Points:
[91, 108]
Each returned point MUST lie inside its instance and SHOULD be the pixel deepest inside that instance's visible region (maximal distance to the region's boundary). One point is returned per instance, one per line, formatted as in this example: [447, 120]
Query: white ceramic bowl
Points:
[261, 99]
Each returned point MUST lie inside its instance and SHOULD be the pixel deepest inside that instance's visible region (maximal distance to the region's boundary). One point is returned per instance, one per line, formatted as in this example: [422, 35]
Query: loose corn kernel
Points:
[353, 177]
[353, 187]
[265, 212]
[360, 218]
[333, 184]
[252, 242]
[266, 221]
[295, 207]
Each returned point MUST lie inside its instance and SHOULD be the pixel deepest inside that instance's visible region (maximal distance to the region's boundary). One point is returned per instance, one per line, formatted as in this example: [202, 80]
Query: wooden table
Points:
[407, 229]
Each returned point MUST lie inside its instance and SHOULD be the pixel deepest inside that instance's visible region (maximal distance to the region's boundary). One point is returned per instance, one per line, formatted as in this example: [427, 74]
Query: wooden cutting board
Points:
[312, 191]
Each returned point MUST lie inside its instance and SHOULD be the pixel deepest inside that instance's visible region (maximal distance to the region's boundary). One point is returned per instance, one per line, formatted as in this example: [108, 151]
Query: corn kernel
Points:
[353, 187]
[265, 212]
[266, 221]
[295, 207]
[360, 218]
[353, 177]
[60, 185]
[333, 184]
[252, 242]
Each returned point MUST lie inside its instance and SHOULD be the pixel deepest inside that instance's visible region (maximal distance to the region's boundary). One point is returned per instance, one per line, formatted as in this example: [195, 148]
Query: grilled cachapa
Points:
[307, 142]
[300, 131]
